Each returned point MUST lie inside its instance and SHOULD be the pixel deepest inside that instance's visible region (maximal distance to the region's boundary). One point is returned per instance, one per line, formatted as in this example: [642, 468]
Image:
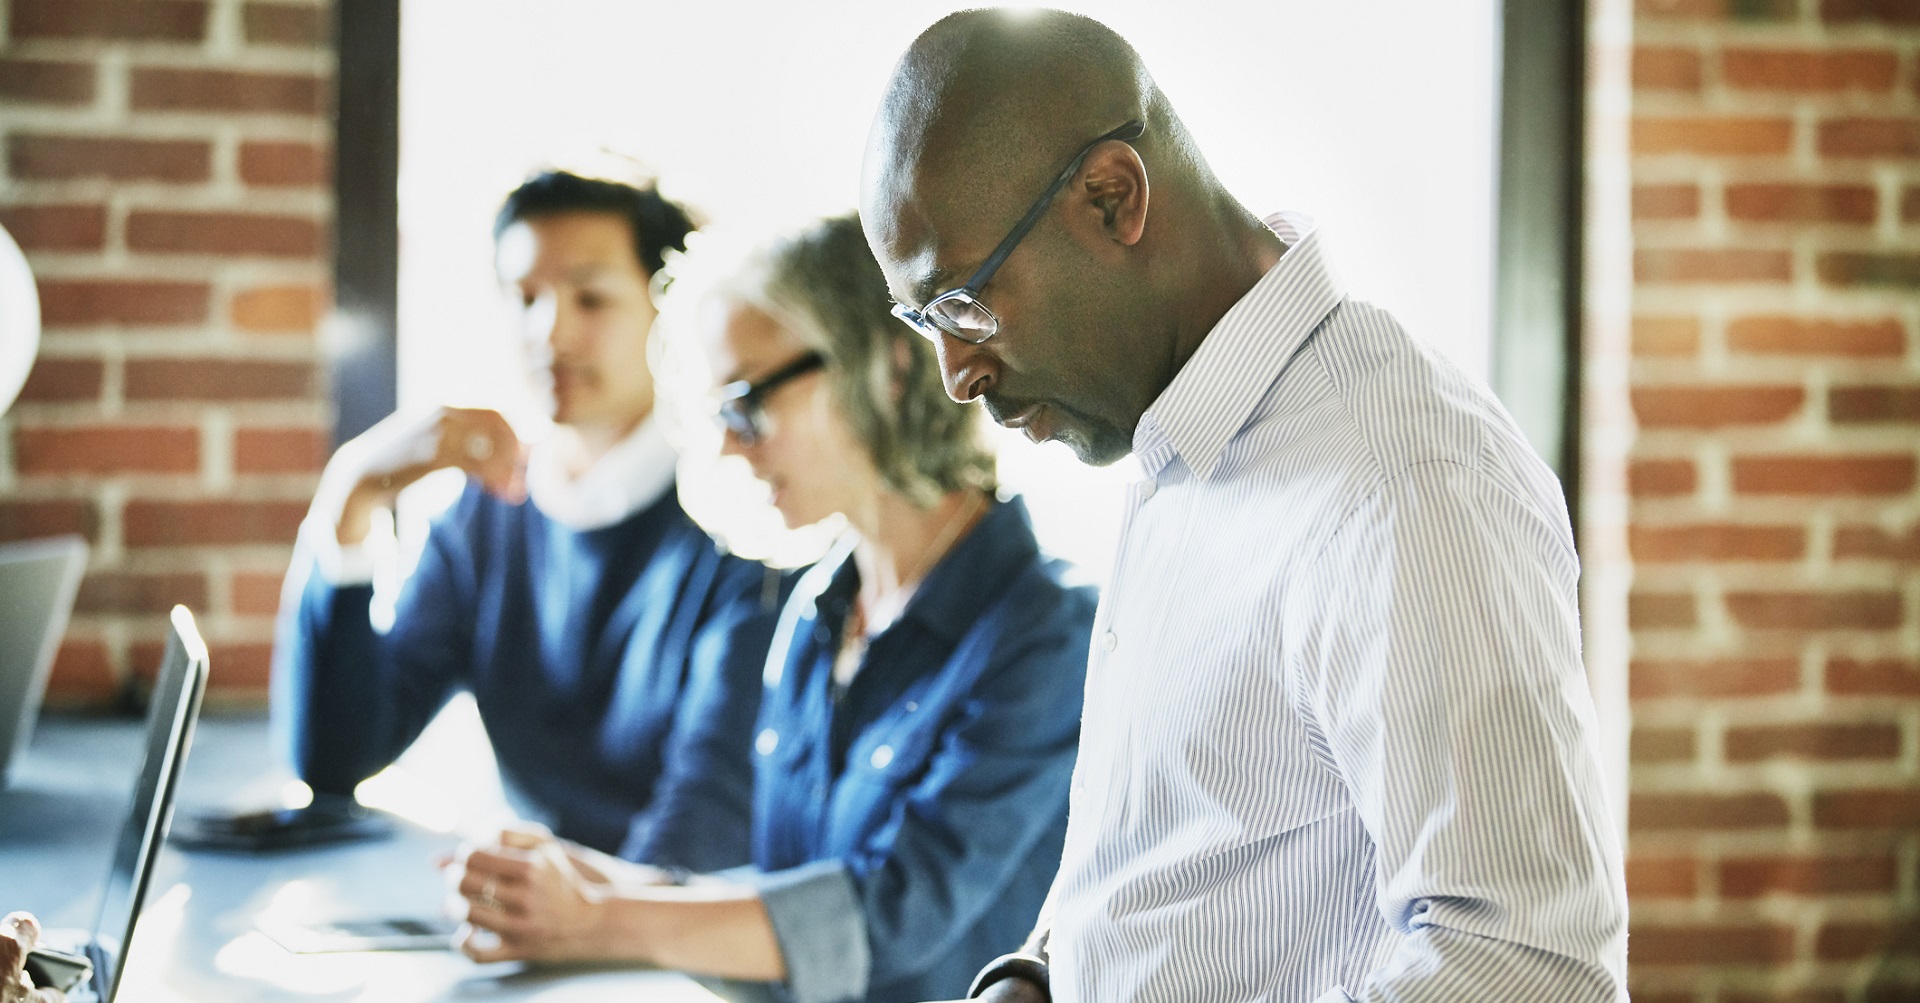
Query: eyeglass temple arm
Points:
[1126, 133]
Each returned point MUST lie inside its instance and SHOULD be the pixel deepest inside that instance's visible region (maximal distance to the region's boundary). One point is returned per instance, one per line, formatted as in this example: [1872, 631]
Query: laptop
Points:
[38, 580]
[177, 693]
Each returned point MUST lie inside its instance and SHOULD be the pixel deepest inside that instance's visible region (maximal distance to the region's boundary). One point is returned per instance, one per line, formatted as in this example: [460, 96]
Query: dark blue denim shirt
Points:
[907, 828]
[617, 671]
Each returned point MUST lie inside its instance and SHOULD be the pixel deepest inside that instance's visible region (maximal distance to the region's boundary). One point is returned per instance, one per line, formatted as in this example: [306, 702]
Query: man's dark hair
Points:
[658, 225]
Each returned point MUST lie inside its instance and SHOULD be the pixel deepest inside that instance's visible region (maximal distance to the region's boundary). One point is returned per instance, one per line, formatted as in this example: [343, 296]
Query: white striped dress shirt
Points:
[1338, 743]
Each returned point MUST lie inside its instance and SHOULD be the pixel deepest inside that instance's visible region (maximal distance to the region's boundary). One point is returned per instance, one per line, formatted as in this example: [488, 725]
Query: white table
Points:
[197, 941]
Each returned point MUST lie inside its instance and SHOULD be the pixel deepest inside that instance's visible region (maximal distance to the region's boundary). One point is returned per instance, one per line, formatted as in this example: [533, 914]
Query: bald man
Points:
[1337, 743]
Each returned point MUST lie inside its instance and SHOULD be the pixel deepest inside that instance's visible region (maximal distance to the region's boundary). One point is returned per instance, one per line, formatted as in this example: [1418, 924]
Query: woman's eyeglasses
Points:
[741, 406]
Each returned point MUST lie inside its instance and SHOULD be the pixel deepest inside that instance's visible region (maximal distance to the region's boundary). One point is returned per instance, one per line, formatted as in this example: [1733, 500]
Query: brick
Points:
[43, 82]
[1717, 10]
[1716, 542]
[1876, 338]
[1790, 994]
[1658, 478]
[1852, 610]
[285, 164]
[1862, 269]
[214, 379]
[1666, 68]
[1852, 404]
[86, 302]
[1725, 137]
[1910, 202]
[297, 24]
[27, 520]
[1790, 203]
[1803, 70]
[1647, 610]
[1874, 542]
[56, 227]
[1854, 941]
[1662, 878]
[50, 157]
[279, 309]
[256, 593]
[1714, 407]
[1666, 336]
[224, 234]
[56, 380]
[1703, 811]
[1887, 11]
[1710, 944]
[1662, 745]
[280, 450]
[1812, 741]
[135, 593]
[83, 671]
[1716, 678]
[117, 20]
[149, 523]
[106, 449]
[1888, 677]
[1898, 808]
[1870, 137]
[1752, 877]
[1873, 474]
[1717, 265]
[1666, 201]
[170, 89]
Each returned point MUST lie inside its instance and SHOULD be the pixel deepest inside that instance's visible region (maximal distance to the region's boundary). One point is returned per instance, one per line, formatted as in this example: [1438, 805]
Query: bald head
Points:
[992, 113]
[987, 104]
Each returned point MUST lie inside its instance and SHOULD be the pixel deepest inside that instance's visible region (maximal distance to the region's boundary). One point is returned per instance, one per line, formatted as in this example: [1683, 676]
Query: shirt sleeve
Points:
[347, 699]
[700, 816]
[995, 787]
[1441, 663]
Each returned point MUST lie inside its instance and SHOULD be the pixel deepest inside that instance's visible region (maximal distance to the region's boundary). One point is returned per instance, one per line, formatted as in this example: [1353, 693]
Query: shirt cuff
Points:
[337, 564]
[822, 930]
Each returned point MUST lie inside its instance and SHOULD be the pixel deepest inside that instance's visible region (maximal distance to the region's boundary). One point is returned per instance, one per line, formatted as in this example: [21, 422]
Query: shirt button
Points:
[767, 741]
[1108, 641]
[1146, 490]
[913, 705]
[881, 757]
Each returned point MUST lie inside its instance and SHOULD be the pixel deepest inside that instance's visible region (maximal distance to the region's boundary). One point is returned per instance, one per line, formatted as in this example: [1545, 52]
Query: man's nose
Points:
[968, 371]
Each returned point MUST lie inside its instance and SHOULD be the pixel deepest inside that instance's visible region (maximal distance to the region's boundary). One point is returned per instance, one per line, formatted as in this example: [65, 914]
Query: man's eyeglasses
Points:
[959, 312]
[741, 407]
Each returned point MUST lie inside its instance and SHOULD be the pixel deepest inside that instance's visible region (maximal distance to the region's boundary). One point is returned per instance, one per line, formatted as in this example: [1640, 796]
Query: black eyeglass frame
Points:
[926, 319]
[740, 405]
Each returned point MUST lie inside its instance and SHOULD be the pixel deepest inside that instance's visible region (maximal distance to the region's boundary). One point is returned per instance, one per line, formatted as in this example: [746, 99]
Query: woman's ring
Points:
[479, 446]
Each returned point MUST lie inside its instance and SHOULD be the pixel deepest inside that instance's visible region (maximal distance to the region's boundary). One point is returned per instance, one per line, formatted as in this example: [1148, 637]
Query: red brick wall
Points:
[165, 165]
[1774, 527]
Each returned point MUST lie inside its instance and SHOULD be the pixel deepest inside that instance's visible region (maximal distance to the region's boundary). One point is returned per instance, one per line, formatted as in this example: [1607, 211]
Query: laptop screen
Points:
[38, 579]
[176, 705]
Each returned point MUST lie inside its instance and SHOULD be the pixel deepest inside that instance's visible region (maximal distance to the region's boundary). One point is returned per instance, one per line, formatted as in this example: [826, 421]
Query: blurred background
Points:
[1680, 237]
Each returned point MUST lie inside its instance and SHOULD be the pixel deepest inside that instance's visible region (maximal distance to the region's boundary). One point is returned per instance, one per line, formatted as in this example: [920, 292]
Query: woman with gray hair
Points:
[922, 702]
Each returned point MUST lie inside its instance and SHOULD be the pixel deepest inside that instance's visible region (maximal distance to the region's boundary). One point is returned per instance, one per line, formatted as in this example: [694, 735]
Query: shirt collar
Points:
[632, 475]
[1212, 396]
[972, 575]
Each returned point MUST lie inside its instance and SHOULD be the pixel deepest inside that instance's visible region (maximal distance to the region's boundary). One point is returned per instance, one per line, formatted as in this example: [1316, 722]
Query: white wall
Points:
[1375, 116]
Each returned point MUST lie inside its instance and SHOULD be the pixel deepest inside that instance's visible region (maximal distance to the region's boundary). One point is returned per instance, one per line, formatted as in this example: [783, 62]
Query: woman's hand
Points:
[19, 933]
[527, 900]
[367, 472]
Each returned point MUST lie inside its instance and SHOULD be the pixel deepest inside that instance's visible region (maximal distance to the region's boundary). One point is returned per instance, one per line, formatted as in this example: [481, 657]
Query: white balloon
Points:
[19, 320]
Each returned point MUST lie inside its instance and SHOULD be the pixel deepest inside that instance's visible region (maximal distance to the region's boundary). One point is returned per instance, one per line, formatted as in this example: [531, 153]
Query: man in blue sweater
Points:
[613, 650]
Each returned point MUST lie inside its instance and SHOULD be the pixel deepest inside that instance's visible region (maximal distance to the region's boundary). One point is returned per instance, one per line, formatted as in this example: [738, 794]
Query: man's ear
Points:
[1113, 181]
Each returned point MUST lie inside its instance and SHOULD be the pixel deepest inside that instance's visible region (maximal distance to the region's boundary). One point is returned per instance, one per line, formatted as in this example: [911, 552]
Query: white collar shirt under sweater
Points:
[1338, 743]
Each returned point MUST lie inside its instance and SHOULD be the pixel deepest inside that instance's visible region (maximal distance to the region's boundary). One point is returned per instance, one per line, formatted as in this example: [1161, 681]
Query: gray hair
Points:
[823, 286]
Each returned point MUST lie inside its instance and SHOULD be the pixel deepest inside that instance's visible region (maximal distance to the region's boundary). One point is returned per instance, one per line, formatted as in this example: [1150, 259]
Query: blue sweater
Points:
[617, 671]
[907, 827]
